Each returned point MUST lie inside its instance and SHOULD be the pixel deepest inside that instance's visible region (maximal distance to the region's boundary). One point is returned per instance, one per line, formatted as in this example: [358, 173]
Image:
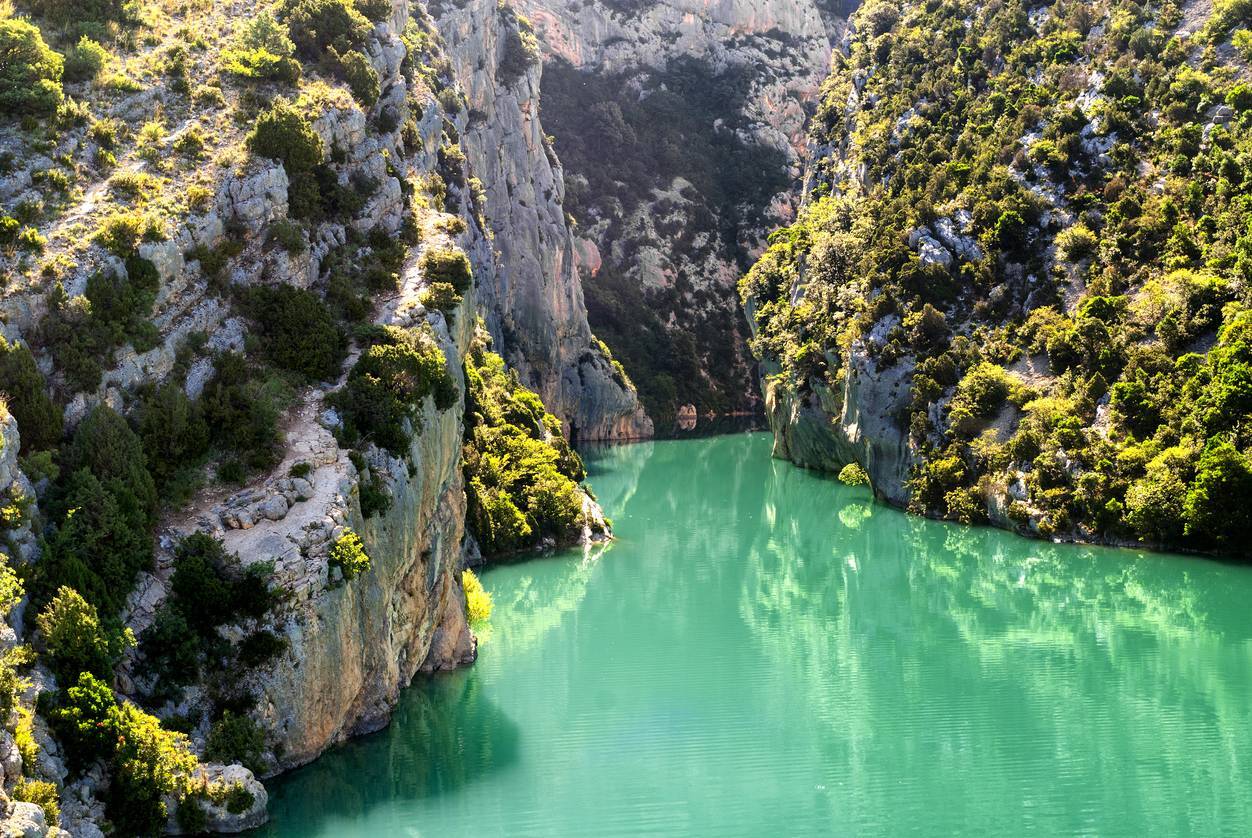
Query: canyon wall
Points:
[533, 295]
[681, 125]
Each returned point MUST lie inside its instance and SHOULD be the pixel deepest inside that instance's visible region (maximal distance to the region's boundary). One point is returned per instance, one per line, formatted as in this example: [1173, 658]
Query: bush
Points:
[361, 77]
[236, 738]
[441, 296]
[26, 393]
[173, 431]
[521, 476]
[30, 74]
[43, 794]
[81, 721]
[318, 26]
[74, 638]
[105, 445]
[242, 412]
[448, 266]
[1218, 506]
[348, 554]
[388, 383]
[300, 333]
[282, 133]
[148, 763]
[101, 544]
[853, 475]
[67, 12]
[171, 652]
[261, 49]
[121, 232]
[478, 602]
[85, 61]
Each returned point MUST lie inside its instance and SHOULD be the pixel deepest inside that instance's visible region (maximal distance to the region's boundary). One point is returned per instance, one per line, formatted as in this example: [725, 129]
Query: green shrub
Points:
[388, 383]
[289, 235]
[173, 431]
[236, 738]
[300, 333]
[318, 26]
[30, 74]
[361, 77]
[105, 445]
[85, 61]
[81, 12]
[478, 603]
[441, 296]
[75, 640]
[1217, 508]
[282, 133]
[262, 49]
[26, 393]
[41, 793]
[348, 554]
[521, 476]
[853, 475]
[449, 266]
[242, 412]
[147, 764]
[171, 652]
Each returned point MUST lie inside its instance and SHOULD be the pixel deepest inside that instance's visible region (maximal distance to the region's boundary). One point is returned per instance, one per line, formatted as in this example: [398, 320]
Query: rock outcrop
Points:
[669, 232]
[532, 294]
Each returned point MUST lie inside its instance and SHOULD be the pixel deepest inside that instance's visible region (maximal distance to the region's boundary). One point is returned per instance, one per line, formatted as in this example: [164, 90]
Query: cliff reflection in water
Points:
[1089, 686]
[765, 651]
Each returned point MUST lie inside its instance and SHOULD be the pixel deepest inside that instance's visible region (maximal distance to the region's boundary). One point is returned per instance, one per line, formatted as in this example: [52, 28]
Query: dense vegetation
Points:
[1042, 210]
[521, 477]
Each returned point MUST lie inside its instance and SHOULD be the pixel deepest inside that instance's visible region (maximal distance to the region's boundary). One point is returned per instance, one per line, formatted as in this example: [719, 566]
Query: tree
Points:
[74, 638]
[172, 429]
[300, 332]
[1218, 508]
[38, 419]
[105, 445]
[30, 72]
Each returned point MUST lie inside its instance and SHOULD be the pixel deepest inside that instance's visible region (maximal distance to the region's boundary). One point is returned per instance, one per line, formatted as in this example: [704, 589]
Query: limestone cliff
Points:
[682, 125]
[532, 295]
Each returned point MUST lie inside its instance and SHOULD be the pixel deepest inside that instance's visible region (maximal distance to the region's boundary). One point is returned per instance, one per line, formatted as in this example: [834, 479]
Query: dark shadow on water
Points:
[445, 735]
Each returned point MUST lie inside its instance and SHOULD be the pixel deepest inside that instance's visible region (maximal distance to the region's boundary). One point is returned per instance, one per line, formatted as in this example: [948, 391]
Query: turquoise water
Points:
[766, 652]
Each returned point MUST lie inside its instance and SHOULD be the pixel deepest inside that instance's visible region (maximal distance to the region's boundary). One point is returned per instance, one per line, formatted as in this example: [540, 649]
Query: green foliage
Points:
[242, 409]
[236, 738]
[441, 296]
[521, 475]
[853, 475]
[105, 445]
[321, 26]
[70, 12]
[261, 49]
[300, 333]
[173, 430]
[43, 794]
[207, 591]
[26, 394]
[1126, 311]
[283, 133]
[348, 554]
[478, 602]
[75, 640]
[30, 72]
[444, 265]
[361, 77]
[86, 60]
[387, 385]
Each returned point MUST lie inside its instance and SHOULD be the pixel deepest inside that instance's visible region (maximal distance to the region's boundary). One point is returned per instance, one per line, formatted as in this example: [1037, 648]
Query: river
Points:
[765, 651]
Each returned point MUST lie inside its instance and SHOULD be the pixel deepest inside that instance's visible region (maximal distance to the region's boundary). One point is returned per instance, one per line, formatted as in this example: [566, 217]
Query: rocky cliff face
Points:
[533, 294]
[681, 124]
[1019, 323]
[413, 163]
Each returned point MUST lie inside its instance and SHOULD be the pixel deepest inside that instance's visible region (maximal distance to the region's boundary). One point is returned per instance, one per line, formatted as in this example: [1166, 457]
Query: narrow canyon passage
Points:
[764, 651]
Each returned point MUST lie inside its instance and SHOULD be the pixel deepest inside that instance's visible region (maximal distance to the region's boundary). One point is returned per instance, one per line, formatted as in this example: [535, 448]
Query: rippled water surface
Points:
[766, 652]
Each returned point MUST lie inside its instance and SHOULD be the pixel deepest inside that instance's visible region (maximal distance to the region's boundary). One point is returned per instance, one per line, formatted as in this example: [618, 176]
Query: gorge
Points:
[310, 308]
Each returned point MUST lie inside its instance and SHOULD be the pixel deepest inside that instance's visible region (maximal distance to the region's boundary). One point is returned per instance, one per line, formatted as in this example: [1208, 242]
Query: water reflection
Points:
[453, 736]
[765, 651]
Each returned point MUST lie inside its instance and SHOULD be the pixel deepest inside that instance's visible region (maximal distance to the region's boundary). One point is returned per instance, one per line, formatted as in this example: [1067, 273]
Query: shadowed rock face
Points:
[681, 124]
[532, 296]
